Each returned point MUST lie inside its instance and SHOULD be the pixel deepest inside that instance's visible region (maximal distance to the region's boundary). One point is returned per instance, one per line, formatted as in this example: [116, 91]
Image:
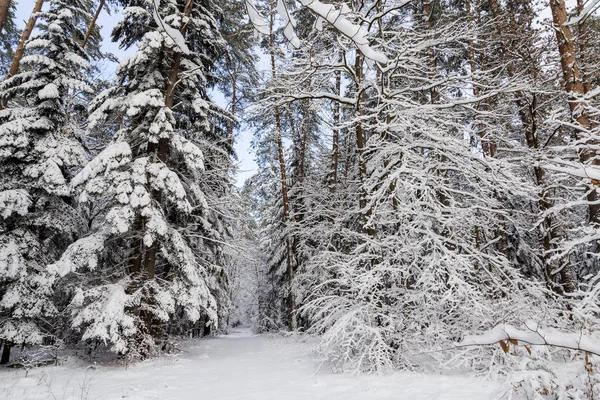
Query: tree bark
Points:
[5, 358]
[528, 115]
[569, 62]
[430, 21]
[365, 213]
[16, 61]
[582, 38]
[162, 147]
[575, 90]
[284, 188]
[335, 153]
[486, 145]
[233, 101]
[90, 29]
[4, 7]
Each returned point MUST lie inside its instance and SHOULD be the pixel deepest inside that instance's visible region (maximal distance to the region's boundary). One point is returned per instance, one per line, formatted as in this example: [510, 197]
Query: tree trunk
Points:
[528, 117]
[365, 213]
[233, 101]
[298, 204]
[5, 358]
[575, 90]
[162, 147]
[569, 62]
[430, 21]
[90, 29]
[4, 7]
[14, 66]
[16, 61]
[284, 188]
[486, 145]
[335, 153]
[137, 249]
[582, 38]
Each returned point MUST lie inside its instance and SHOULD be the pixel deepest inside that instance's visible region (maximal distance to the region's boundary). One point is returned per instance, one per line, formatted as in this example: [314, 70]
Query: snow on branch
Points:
[290, 24]
[14, 201]
[112, 157]
[354, 32]
[535, 336]
[589, 9]
[575, 169]
[173, 33]
[256, 18]
[328, 12]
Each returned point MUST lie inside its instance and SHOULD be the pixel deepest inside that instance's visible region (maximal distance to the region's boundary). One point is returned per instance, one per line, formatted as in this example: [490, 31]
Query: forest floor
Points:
[240, 366]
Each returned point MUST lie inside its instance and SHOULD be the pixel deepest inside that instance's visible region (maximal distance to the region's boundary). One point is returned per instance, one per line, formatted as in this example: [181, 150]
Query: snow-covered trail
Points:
[239, 366]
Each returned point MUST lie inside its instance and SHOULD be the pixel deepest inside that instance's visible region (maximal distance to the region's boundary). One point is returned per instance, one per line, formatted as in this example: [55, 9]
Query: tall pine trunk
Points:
[161, 149]
[365, 212]
[575, 90]
[91, 26]
[4, 7]
[284, 189]
[335, 147]
[16, 61]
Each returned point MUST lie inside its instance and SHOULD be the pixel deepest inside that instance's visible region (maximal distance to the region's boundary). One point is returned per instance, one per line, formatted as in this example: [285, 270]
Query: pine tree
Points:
[8, 38]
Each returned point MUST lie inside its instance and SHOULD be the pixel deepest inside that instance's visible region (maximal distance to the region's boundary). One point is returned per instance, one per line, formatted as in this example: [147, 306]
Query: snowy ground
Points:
[239, 366]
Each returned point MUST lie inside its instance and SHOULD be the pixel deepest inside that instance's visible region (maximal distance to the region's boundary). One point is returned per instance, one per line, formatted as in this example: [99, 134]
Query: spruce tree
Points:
[151, 263]
[40, 147]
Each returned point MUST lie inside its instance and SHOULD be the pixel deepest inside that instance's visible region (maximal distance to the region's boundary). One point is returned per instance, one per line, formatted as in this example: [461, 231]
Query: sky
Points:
[246, 163]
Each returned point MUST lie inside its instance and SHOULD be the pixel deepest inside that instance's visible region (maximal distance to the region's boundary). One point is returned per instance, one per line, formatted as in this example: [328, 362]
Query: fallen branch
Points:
[533, 336]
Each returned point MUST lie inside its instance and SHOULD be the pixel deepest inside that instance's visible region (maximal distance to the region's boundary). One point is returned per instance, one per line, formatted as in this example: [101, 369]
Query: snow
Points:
[290, 24]
[81, 254]
[328, 12]
[354, 32]
[589, 9]
[238, 366]
[257, 20]
[173, 33]
[50, 91]
[14, 201]
[11, 260]
[114, 156]
[533, 335]
[105, 314]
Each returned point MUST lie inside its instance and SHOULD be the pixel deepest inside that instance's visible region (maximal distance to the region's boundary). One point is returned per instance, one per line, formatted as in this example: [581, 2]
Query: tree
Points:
[574, 88]
[8, 39]
[40, 149]
[18, 55]
[149, 263]
[5, 6]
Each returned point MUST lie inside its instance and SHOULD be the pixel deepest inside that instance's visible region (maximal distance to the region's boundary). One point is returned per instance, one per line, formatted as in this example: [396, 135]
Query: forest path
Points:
[240, 366]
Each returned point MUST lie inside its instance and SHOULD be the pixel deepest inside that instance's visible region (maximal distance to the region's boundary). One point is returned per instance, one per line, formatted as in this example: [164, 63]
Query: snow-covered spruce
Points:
[40, 148]
[152, 264]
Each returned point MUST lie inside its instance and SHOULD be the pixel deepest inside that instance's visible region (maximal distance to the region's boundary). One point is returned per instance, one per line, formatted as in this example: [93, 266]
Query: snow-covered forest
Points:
[426, 195]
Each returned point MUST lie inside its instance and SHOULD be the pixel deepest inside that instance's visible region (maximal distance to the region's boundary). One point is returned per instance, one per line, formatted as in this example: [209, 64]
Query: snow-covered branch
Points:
[328, 12]
[533, 335]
